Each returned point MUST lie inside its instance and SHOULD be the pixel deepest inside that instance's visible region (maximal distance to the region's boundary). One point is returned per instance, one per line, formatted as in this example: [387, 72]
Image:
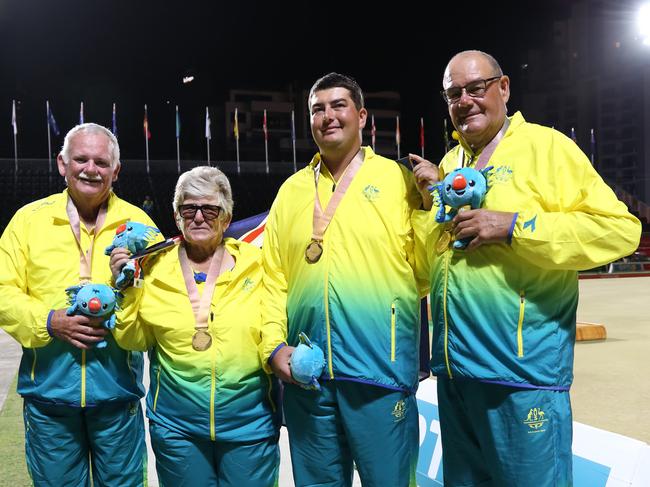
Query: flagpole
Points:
[178, 141]
[146, 137]
[293, 138]
[237, 139]
[81, 113]
[373, 133]
[266, 143]
[114, 121]
[49, 138]
[446, 135]
[14, 124]
[592, 146]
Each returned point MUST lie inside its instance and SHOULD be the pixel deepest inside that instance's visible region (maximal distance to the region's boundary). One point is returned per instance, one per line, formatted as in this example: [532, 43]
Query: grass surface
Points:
[12, 442]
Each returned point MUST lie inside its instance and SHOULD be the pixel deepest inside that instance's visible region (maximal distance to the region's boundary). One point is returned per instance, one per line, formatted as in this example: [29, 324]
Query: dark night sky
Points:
[135, 52]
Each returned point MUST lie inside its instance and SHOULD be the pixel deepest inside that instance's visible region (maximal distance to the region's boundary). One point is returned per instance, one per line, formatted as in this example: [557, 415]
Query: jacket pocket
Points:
[520, 324]
[393, 324]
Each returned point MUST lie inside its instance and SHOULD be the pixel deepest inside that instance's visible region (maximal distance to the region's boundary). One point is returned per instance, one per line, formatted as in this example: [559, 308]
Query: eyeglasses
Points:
[475, 89]
[209, 212]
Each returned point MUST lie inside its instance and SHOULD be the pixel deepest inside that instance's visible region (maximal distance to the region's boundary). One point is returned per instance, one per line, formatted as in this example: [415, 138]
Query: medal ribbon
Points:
[201, 304]
[322, 219]
[487, 151]
[85, 258]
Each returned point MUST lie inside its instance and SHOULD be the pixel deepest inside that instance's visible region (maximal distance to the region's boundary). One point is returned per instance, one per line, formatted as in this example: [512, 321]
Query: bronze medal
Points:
[443, 241]
[201, 340]
[313, 252]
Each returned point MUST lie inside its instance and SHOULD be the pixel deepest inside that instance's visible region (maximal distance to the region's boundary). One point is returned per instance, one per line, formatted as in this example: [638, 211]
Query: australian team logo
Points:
[371, 193]
[536, 420]
[399, 411]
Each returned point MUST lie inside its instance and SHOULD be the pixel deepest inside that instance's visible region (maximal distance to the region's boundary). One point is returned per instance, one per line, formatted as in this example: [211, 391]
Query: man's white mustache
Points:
[95, 178]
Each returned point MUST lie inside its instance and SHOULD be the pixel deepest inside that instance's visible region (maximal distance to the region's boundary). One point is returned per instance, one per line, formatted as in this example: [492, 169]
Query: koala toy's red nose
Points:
[459, 182]
[94, 305]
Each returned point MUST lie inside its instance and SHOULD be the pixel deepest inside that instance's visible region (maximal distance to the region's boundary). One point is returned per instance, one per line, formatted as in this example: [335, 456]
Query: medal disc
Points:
[313, 252]
[443, 241]
[201, 340]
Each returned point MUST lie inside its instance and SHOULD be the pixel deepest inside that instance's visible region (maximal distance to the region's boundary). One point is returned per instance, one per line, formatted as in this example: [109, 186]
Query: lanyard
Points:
[322, 218]
[85, 258]
[487, 151]
[201, 305]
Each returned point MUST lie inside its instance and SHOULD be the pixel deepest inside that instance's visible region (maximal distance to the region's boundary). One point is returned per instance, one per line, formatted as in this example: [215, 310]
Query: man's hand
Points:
[78, 330]
[119, 257]
[485, 226]
[280, 364]
[426, 174]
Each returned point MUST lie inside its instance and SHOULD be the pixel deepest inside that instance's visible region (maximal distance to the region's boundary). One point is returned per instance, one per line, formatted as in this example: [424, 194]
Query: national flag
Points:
[421, 133]
[573, 135]
[145, 124]
[265, 128]
[114, 121]
[178, 124]
[50, 119]
[397, 134]
[250, 230]
[236, 126]
[208, 132]
[593, 146]
[373, 132]
[14, 122]
[81, 113]
[293, 127]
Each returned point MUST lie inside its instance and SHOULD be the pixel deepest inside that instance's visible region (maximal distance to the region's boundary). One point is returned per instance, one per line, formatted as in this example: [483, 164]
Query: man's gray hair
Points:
[91, 128]
[205, 182]
[494, 64]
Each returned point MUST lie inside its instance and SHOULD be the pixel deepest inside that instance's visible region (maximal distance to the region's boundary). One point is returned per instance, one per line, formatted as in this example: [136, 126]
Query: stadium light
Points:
[643, 22]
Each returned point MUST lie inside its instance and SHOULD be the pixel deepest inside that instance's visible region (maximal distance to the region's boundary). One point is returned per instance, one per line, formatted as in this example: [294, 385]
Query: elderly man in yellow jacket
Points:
[504, 309]
[82, 404]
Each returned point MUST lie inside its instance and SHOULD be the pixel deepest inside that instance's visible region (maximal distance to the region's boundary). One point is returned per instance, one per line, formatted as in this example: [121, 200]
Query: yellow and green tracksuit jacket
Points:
[218, 394]
[360, 301]
[507, 312]
[39, 259]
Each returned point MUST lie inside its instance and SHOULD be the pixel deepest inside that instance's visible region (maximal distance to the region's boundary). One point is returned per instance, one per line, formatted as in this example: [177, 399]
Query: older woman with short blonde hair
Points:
[210, 406]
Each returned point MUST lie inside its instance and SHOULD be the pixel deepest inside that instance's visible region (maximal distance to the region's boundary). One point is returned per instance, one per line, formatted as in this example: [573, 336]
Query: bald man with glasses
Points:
[504, 309]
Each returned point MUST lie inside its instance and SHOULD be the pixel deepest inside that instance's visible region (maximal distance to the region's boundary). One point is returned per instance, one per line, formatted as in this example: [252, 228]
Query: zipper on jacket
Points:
[213, 387]
[155, 397]
[33, 364]
[520, 324]
[327, 313]
[392, 332]
[444, 314]
[83, 378]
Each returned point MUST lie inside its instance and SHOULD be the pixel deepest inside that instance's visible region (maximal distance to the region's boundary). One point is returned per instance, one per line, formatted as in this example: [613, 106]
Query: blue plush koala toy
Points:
[135, 237]
[94, 300]
[307, 363]
[462, 189]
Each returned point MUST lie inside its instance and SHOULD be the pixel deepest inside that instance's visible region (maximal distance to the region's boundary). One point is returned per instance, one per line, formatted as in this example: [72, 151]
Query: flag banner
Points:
[593, 147]
[573, 135]
[421, 133]
[397, 133]
[114, 121]
[14, 122]
[265, 128]
[249, 229]
[373, 132]
[145, 124]
[81, 113]
[236, 126]
[208, 132]
[445, 135]
[51, 121]
[293, 127]
[178, 124]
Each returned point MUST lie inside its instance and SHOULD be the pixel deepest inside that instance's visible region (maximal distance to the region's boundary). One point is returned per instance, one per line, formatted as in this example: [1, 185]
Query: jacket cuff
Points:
[512, 228]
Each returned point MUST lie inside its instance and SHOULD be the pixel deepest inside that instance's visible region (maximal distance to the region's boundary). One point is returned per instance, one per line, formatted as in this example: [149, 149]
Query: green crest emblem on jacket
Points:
[248, 285]
[371, 193]
[536, 420]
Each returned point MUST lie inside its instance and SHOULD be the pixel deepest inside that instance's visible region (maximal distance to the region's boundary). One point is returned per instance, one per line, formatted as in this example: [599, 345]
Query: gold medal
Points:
[313, 252]
[443, 241]
[201, 340]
